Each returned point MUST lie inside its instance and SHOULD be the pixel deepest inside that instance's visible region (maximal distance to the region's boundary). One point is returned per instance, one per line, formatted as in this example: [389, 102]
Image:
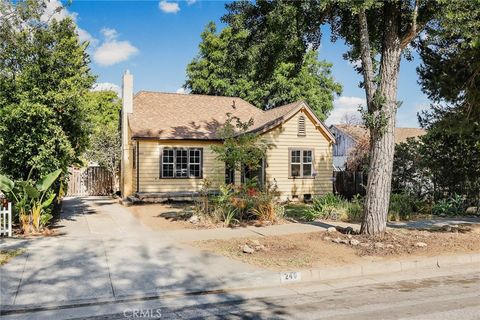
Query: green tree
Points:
[43, 81]
[450, 76]
[103, 109]
[240, 147]
[228, 65]
[378, 34]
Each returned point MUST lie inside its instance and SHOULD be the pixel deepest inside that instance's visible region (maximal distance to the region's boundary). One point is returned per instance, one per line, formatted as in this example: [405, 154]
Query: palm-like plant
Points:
[32, 199]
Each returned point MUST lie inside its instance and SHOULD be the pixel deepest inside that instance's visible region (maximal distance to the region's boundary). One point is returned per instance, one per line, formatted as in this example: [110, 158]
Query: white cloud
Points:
[112, 51]
[106, 86]
[190, 2]
[168, 7]
[182, 91]
[345, 105]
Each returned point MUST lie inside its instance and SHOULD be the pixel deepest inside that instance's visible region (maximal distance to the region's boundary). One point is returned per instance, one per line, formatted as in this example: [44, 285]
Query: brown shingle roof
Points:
[184, 116]
[189, 116]
[360, 132]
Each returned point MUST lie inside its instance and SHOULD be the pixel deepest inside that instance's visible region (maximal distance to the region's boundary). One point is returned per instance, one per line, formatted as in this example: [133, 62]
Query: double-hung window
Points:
[181, 163]
[301, 163]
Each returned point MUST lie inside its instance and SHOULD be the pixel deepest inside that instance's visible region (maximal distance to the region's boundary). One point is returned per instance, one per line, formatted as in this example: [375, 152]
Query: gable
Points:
[289, 128]
[313, 125]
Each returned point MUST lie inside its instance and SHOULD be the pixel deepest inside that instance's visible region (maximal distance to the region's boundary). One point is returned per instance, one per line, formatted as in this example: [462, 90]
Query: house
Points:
[348, 136]
[166, 140]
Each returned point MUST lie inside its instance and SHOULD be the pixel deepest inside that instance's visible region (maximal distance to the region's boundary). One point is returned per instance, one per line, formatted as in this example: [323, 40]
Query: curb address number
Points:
[291, 276]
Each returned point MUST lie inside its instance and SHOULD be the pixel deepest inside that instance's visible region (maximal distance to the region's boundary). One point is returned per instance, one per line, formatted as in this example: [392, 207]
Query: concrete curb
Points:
[382, 267]
[274, 279]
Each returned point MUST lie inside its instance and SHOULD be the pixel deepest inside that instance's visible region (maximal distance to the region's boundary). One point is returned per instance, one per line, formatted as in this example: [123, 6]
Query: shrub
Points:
[355, 209]
[328, 206]
[454, 205]
[234, 204]
[404, 205]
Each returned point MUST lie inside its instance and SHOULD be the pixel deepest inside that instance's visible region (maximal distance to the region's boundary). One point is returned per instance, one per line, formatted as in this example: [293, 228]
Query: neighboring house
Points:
[347, 137]
[166, 140]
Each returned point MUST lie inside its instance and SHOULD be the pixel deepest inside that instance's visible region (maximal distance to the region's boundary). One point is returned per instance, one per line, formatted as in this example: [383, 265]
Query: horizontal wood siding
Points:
[285, 137]
[149, 167]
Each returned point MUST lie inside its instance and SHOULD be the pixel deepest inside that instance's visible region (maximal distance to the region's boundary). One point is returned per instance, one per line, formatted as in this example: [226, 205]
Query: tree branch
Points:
[365, 53]
[412, 32]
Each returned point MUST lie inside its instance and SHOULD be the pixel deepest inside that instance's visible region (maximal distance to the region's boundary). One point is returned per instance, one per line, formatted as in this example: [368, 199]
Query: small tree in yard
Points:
[240, 147]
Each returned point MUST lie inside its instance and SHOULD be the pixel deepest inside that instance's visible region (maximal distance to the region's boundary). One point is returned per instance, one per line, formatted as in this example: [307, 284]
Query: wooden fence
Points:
[348, 184]
[90, 181]
[6, 219]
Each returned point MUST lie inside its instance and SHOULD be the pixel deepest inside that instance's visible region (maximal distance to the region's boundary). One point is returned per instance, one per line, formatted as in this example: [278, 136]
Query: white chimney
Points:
[126, 170]
[127, 92]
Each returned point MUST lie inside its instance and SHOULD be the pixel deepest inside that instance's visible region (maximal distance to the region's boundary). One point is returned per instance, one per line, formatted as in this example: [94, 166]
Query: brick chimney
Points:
[126, 165]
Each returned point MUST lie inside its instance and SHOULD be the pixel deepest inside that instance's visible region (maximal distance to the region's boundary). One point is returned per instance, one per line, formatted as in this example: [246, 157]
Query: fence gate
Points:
[6, 219]
[90, 181]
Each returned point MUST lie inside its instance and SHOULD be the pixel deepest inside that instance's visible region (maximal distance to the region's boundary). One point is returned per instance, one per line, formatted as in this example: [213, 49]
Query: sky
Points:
[156, 40]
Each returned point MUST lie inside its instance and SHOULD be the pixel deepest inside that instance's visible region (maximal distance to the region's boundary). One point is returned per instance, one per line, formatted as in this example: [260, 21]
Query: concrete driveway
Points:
[104, 253]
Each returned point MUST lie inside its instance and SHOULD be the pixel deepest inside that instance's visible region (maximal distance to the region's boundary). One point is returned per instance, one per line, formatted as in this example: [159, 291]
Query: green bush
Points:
[454, 205]
[403, 206]
[328, 206]
[236, 203]
[355, 209]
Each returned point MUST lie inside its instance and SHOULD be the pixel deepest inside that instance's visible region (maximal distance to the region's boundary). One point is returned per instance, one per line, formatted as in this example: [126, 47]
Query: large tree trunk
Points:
[382, 144]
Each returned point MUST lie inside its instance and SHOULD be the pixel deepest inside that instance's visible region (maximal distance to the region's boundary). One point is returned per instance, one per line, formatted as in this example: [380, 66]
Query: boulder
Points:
[331, 229]
[354, 242]
[247, 249]
[420, 244]
[472, 210]
[194, 219]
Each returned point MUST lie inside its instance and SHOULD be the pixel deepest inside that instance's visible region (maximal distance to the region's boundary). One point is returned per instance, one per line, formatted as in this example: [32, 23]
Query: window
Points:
[301, 126]
[301, 163]
[181, 163]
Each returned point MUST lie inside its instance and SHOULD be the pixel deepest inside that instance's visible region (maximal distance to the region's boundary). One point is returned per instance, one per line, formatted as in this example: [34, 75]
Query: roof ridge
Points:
[190, 94]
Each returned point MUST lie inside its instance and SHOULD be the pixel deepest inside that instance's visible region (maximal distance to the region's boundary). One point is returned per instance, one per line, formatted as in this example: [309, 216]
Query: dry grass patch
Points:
[7, 255]
[318, 249]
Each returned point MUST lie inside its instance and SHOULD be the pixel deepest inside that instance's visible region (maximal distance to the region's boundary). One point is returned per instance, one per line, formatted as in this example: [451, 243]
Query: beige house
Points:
[166, 140]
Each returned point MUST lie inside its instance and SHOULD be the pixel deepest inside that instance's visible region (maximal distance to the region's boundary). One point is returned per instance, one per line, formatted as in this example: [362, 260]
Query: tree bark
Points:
[382, 137]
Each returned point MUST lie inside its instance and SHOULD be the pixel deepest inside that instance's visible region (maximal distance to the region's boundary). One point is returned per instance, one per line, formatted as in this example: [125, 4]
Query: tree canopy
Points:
[103, 110]
[228, 64]
[43, 81]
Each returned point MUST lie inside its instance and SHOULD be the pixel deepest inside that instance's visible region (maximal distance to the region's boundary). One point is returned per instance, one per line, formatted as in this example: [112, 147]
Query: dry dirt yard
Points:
[176, 215]
[165, 216]
[319, 249]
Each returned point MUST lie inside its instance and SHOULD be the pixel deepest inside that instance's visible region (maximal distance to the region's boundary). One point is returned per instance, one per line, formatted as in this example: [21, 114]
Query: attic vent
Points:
[301, 126]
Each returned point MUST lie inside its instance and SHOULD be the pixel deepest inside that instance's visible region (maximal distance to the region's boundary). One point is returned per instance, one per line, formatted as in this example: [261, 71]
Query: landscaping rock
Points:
[420, 244]
[194, 219]
[345, 241]
[354, 242]
[443, 215]
[336, 240]
[379, 245]
[472, 210]
[331, 229]
[247, 249]
[327, 238]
